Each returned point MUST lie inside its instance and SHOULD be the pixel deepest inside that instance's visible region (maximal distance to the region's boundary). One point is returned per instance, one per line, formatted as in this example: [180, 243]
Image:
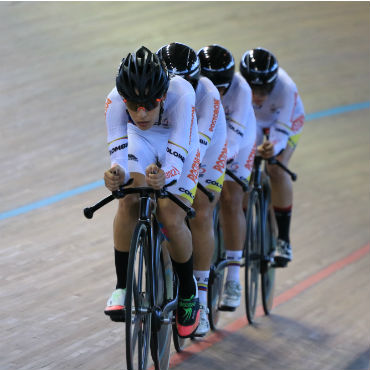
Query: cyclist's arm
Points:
[281, 130]
[208, 110]
[238, 122]
[116, 121]
[184, 122]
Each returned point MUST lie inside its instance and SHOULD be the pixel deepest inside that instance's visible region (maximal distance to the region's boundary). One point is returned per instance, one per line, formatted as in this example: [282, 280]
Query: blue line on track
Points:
[337, 110]
[82, 189]
[50, 200]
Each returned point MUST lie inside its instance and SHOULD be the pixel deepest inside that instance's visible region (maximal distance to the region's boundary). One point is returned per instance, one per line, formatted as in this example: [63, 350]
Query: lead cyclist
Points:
[151, 121]
[277, 106]
[217, 63]
[183, 61]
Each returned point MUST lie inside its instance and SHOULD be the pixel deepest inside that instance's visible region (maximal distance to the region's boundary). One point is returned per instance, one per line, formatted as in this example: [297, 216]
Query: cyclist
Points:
[277, 106]
[183, 61]
[153, 138]
[217, 63]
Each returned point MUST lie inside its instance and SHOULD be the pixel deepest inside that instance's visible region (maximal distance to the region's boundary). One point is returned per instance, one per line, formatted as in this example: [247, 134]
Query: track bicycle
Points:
[151, 296]
[261, 236]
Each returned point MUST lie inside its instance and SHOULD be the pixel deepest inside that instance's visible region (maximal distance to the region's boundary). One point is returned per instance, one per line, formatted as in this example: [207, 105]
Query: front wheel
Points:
[252, 252]
[216, 276]
[179, 343]
[215, 288]
[267, 269]
[138, 305]
[161, 336]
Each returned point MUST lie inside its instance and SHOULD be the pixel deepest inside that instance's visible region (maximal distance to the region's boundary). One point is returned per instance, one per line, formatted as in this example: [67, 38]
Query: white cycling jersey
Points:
[212, 135]
[173, 142]
[241, 127]
[282, 112]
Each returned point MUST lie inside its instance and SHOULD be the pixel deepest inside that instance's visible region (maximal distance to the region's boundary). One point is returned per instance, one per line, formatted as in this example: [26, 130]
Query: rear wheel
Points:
[138, 316]
[252, 252]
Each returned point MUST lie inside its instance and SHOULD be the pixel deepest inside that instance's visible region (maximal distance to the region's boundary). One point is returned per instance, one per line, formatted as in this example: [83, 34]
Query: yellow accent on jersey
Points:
[179, 146]
[236, 122]
[284, 125]
[293, 140]
[188, 197]
[216, 188]
[123, 137]
[207, 137]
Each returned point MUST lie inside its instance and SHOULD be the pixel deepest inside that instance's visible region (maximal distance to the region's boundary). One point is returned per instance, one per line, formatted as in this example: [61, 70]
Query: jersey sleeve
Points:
[282, 129]
[116, 121]
[238, 121]
[180, 139]
[207, 115]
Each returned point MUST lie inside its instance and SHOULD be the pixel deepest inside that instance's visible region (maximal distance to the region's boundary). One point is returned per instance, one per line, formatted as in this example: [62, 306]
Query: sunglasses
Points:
[148, 106]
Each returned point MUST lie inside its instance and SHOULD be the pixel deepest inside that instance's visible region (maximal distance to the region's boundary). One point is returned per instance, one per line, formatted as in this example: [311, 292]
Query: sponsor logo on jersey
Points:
[216, 108]
[215, 183]
[204, 142]
[187, 192]
[238, 132]
[192, 122]
[249, 163]
[172, 172]
[194, 171]
[119, 147]
[107, 102]
[221, 161]
[202, 170]
[298, 123]
[176, 154]
[131, 157]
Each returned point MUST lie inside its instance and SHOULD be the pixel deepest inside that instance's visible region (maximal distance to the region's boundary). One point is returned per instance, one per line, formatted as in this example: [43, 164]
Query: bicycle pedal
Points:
[226, 308]
[117, 318]
[278, 263]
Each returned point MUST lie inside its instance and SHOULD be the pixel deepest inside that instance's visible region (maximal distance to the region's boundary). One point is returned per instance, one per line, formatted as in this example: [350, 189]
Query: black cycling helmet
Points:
[142, 77]
[217, 63]
[260, 68]
[181, 60]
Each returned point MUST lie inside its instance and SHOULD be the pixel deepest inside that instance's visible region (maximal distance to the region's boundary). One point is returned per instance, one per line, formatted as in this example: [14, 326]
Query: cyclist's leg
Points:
[126, 217]
[282, 194]
[233, 221]
[172, 217]
[211, 176]
[234, 228]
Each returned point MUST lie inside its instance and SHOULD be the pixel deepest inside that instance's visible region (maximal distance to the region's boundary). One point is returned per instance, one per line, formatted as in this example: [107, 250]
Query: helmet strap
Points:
[161, 109]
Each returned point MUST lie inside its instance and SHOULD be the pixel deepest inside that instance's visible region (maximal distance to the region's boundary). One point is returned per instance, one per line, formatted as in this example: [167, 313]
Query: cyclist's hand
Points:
[155, 176]
[266, 150]
[114, 177]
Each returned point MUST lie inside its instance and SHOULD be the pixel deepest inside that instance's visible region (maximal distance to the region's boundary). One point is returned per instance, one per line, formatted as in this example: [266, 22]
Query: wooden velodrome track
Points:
[58, 62]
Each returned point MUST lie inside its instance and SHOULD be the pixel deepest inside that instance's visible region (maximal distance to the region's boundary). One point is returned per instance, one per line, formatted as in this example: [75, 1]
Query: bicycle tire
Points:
[161, 336]
[138, 303]
[178, 342]
[216, 279]
[267, 269]
[252, 252]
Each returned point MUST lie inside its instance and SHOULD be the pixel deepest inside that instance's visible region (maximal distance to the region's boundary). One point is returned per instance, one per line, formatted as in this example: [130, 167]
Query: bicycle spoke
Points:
[252, 255]
[138, 313]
